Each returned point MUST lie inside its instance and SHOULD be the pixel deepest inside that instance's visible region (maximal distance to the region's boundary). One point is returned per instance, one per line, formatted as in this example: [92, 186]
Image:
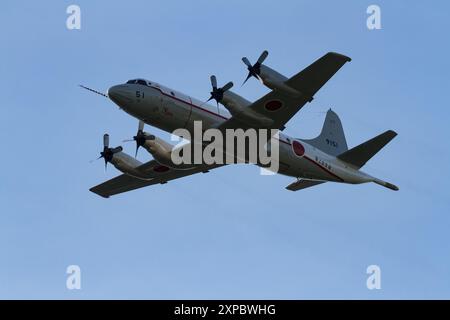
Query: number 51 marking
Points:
[139, 95]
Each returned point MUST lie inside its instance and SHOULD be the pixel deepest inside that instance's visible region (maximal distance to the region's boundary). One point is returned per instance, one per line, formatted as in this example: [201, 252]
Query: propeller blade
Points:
[247, 63]
[203, 103]
[106, 140]
[227, 87]
[141, 126]
[95, 159]
[214, 82]
[128, 140]
[248, 77]
[263, 57]
[137, 148]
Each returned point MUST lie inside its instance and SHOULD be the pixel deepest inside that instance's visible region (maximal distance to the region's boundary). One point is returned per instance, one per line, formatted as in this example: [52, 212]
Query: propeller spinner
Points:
[108, 152]
[255, 70]
[140, 137]
[217, 93]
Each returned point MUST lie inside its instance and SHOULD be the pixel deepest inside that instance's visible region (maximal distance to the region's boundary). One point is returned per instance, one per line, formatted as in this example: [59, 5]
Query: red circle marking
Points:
[298, 148]
[161, 169]
[273, 105]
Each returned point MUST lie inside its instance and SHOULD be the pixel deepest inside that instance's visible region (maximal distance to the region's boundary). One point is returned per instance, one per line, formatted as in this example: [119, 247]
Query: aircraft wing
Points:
[156, 172]
[280, 106]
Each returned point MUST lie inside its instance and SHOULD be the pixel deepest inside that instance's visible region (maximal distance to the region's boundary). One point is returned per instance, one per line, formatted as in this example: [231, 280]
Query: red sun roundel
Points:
[273, 105]
[298, 148]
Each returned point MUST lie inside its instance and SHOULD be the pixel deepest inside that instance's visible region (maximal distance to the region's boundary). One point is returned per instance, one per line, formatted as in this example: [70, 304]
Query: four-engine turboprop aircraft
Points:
[311, 162]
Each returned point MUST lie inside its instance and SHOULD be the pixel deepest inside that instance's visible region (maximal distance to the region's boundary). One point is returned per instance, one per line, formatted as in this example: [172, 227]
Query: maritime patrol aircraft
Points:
[325, 158]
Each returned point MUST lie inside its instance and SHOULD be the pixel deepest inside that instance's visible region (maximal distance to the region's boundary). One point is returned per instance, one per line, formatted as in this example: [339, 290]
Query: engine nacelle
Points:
[162, 152]
[128, 165]
[275, 80]
[238, 107]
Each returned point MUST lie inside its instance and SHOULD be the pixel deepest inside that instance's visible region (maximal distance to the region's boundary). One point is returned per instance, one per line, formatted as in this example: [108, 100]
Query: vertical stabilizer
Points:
[332, 138]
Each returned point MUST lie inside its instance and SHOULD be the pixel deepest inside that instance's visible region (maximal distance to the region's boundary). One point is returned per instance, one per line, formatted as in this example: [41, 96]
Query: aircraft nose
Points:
[120, 95]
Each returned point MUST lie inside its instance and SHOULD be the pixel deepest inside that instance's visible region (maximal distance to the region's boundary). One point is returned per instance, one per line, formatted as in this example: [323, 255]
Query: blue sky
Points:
[230, 233]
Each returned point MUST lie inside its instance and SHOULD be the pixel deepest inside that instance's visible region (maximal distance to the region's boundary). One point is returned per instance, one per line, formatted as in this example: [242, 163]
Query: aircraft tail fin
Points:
[359, 155]
[332, 138]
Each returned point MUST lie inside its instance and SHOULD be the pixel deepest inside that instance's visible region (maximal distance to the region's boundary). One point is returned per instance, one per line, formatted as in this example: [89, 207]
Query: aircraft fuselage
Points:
[169, 110]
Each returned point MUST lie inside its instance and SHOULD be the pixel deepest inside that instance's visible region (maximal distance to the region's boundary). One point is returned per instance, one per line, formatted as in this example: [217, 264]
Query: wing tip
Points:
[341, 56]
[392, 133]
[93, 190]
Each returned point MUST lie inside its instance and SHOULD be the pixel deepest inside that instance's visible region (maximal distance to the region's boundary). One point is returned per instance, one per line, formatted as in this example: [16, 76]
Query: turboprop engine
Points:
[157, 147]
[267, 76]
[237, 105]
[122, 161]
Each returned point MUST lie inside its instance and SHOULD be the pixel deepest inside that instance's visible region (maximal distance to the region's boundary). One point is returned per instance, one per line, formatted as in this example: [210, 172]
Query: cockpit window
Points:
[139, 81]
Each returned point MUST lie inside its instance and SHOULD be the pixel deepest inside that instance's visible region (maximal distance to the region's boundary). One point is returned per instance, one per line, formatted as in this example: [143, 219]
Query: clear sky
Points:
[231, 233]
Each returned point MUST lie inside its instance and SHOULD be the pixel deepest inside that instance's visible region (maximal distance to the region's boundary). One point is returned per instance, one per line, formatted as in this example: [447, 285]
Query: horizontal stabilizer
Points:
[359, 155]
[303, 184]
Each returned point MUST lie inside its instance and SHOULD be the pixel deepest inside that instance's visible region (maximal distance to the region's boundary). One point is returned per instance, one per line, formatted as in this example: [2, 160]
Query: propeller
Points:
[108, 152]
[255, 70]
[140, 137]
[217, 93]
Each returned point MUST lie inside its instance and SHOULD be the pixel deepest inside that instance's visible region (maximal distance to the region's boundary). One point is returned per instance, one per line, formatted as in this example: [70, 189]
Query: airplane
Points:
[311, 162]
